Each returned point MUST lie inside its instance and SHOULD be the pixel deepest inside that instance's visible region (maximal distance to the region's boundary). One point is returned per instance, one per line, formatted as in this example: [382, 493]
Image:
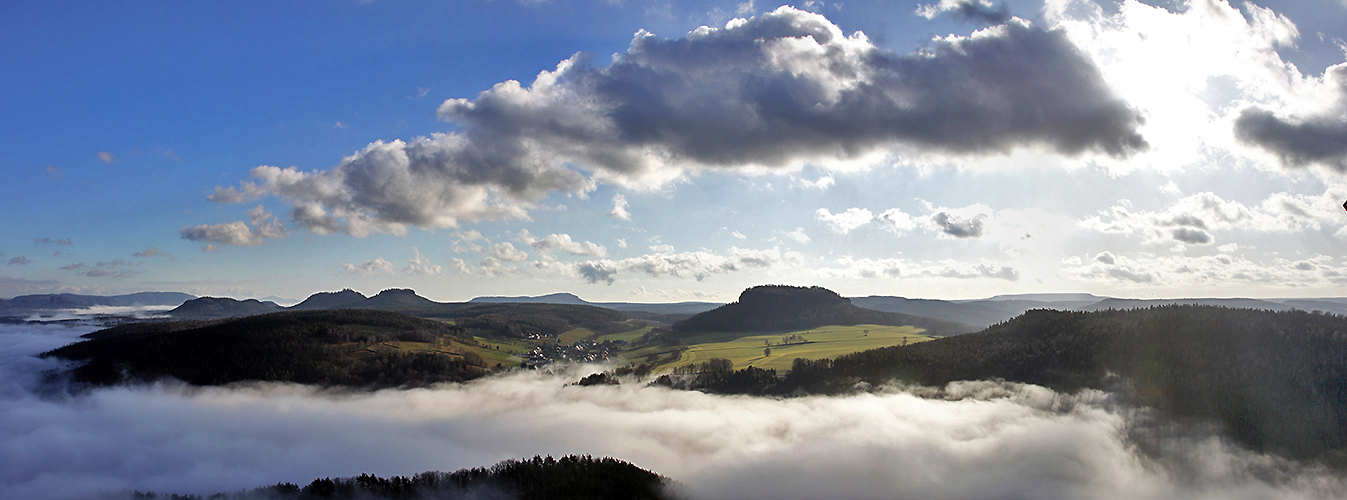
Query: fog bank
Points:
[979, 440]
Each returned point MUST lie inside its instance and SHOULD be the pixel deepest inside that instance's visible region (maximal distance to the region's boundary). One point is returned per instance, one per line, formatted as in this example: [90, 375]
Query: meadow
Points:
[817, 343]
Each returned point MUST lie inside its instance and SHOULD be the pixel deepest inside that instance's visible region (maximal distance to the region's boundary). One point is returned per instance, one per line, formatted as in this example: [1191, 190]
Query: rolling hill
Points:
[222, 307]
[75, 301]
[334, 347]
[674, 308]
[1274, 380]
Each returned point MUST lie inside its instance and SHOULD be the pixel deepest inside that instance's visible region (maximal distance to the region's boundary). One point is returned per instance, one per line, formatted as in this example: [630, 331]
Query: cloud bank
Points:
[970, 440]
[769, 93]
[1302, 140]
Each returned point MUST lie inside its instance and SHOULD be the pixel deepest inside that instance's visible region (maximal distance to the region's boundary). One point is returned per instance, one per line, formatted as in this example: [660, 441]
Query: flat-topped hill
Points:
[329, 300]
[770, 308]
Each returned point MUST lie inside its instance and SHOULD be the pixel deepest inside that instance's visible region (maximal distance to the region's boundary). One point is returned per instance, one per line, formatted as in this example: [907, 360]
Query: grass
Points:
[629, 335]
[823, 342]
[505, 356]
[573, 336]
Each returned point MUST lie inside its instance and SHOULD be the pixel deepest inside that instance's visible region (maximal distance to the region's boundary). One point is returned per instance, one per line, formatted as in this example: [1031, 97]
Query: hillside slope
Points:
[75, 301]
[221, 307]
[311, 347]
[1276, 381]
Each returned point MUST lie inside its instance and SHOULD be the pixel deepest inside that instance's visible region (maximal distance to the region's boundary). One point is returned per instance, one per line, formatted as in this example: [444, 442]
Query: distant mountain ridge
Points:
[978, 313]
[690, 307]
[76, 301]
[990, 311]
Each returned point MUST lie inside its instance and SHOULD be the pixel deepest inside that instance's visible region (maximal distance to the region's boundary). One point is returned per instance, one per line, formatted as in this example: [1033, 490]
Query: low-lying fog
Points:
[983, 440]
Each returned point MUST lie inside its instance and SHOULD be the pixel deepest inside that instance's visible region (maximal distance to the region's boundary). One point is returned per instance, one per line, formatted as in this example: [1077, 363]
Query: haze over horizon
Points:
[644, 151]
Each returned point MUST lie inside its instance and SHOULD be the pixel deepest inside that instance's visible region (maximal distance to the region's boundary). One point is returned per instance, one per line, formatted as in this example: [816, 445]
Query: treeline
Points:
[518, 320]
[770, 308]
[567, 478]
[309, 347]
[1277, 381]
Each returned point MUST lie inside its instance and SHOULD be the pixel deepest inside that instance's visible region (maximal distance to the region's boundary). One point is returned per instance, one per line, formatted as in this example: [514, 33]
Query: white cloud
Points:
[798, 235]
[1226, 273]
[107, 158]
[1191, 219]
[770, 93]
[895, 220]
[369, 268]
[844, 222]
[420, 264]
[697, 264]
[237, 233]
[868, 268]
[821, 184]
[1209, 79]
[506, 252]
[562, 242]
[620, 208]
[264, 224]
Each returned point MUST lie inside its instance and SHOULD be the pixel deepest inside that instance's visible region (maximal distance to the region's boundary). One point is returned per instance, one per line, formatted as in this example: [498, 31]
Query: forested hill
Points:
[783, 308]
[222, 307]
[569, 477]
[1277, 380]
[340, 347]
[492, 319]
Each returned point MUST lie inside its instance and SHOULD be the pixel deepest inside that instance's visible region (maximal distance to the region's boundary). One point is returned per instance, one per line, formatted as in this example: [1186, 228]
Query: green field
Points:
[629, 335]
[505, 356]
[822, 342]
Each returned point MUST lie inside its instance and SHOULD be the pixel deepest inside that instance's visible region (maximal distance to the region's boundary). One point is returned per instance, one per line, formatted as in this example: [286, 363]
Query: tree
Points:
[767, 352]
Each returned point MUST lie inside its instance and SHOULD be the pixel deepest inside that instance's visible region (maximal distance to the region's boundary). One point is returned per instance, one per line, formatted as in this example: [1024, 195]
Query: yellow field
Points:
[822, 342]
[573, 336]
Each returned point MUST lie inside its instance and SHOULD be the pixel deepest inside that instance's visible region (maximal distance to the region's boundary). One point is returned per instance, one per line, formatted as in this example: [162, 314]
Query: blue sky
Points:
[951, 149]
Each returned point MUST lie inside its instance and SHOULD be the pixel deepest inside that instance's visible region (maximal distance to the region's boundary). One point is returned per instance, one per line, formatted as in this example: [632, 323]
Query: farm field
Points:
[487, 350]
[822, 342]
[629, 336]
[573, 336]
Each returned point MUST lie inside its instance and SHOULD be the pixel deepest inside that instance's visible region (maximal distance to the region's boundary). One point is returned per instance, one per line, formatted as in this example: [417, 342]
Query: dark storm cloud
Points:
[1105, 257]
[1301, 141]
[788, 85]
[958, 227]
[1191, 236]
[772, 92]
[974, 11]
[1187, 221]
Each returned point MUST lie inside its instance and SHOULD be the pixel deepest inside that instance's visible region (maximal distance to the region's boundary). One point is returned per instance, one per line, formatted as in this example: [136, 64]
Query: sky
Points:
[648, 151]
